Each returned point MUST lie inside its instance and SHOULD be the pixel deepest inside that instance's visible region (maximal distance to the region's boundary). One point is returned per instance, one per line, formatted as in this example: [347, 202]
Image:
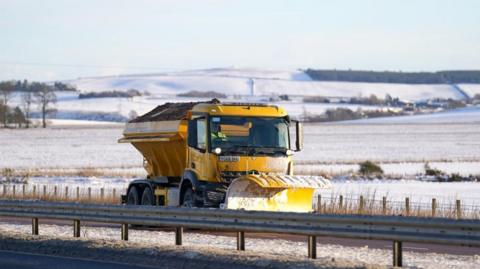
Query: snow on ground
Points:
[265, 82]
[403, 149]
[344, 143]
[470, 89]
[66, 148]
[419, 192]
[271, 246]
[97, 147]
[396, 169]
[461, 115]
[70, 107]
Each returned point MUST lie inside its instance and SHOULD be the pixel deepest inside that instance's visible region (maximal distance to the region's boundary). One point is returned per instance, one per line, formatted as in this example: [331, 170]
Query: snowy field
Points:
[70, 147]
[265, 82]
[59, 153]
[462, 115]
[276, 247]
[243, 85]
[70, 107]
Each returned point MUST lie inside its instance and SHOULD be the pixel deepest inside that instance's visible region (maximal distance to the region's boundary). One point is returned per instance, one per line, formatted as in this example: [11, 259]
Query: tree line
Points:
[32, 94]
[440, 77]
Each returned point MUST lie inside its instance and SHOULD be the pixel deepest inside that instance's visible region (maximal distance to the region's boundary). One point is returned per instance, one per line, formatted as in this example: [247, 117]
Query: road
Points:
[21, 260]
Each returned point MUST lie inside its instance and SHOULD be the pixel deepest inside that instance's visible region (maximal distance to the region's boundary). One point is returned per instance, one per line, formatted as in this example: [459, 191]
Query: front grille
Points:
[229, 176]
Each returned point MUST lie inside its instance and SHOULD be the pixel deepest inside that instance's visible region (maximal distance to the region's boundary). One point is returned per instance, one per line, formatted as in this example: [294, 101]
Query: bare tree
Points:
[27, 100]
[44, 97]
[6, 90]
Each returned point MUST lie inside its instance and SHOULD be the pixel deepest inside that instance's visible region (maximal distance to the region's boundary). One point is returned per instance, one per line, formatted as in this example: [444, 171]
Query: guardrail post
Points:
[4, 190]
[312, 247]
[397, 254]
[13, 190]
[102, 193]
[407, 206]
[23, 190]
[78, 193]
[434, 207]
[89, 193]
[44, 191]
[54, 191]
[66, 192]
[241, 241]
[340, 202]
[458, 209]
[35, 226]
[76, 228]
[384, 205]
[114, 194]
[178, 236]
[124, 231]
[34, 191]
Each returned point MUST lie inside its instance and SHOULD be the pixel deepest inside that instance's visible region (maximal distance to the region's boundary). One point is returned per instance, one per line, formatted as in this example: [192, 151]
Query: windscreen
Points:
[233, 133]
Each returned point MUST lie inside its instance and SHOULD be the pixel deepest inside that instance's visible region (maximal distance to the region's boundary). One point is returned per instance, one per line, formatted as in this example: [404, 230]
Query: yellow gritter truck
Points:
[212, 154]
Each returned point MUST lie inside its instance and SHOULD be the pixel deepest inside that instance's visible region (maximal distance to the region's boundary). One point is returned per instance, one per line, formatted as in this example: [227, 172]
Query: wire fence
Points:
[49, 192]
[384, 206]
[336, 204]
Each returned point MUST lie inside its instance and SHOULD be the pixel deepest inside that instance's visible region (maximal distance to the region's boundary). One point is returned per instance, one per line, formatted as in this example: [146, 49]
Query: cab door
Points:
[197, 143]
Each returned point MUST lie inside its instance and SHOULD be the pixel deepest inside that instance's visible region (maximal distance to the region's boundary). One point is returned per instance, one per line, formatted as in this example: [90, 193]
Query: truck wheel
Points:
[147, 197]
[188, 198]
[132, 197]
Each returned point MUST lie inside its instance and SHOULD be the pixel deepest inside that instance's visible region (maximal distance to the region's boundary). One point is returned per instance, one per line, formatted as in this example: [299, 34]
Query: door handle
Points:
[193, 165]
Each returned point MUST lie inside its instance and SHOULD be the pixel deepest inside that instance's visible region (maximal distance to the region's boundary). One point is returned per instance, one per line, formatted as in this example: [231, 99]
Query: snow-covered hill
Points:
[257, 82]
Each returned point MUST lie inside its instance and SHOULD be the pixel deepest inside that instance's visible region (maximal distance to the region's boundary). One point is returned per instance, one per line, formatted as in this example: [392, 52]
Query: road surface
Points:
[21, 260]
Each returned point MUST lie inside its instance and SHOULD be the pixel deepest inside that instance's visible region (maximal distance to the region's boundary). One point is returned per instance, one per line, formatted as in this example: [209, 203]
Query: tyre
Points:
[188, 198]
[147, 197]
[132, 196]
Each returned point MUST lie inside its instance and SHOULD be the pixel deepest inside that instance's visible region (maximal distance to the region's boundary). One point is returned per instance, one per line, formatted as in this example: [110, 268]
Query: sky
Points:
[54, 40]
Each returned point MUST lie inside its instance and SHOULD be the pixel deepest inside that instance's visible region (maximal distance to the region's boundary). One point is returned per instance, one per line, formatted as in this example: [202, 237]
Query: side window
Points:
[201, 134]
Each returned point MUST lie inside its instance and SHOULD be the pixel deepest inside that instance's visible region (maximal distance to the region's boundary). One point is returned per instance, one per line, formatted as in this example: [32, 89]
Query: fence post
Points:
[89, 193]
[360, 207]
[241, 241]
[114, 194]
[66, 192]
[44, 191]
[34, 191]
[319, 203]
[340, 202]
[76, 228]
[312, 247]
[35, 226]
[384, 205]
[23, 190]
[407, 206]
[54, 191]
[13, 190]
[178, 236]
[458, 209]
[397, 254]
[434, 207]
[102, 193]
[124, 231]
[78, 193]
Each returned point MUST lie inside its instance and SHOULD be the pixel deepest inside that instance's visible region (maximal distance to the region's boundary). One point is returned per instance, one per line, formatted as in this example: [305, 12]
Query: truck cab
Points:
[226, 141]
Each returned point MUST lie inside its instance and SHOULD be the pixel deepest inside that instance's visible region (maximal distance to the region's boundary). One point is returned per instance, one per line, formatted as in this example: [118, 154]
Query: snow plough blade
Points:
[274, 192]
